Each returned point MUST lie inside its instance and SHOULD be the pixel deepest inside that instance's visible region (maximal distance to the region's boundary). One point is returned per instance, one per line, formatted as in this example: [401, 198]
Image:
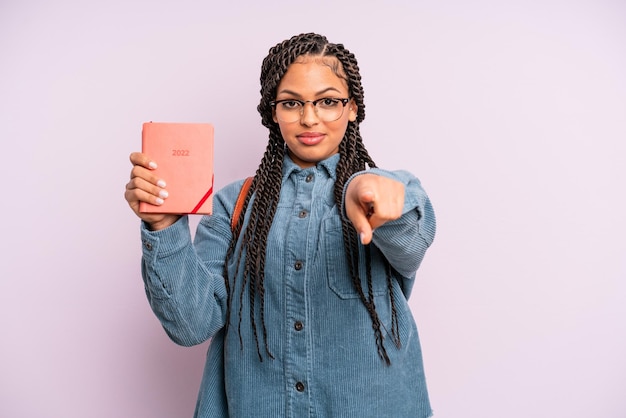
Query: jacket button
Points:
[298, 326]
[148, 245]
[309, 178]
[302, 214]
[298, 265]
[300, 387]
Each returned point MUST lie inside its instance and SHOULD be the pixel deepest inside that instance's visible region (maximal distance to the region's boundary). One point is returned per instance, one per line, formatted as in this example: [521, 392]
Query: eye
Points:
[328, 102]
[290, 104]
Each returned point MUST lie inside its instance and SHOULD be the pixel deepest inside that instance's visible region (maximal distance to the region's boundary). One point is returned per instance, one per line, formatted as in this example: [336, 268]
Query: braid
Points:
[267, 183]
[353, 158]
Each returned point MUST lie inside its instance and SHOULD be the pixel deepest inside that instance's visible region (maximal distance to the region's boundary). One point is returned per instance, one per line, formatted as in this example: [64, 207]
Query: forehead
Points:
[313, 74]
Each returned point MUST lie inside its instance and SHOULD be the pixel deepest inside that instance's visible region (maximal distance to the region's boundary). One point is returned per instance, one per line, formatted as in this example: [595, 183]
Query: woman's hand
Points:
[371, 201]
[144, 186]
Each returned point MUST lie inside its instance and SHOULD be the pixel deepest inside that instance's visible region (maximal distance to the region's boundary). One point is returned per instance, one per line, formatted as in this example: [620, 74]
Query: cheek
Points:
[340, 126]
[284, 130]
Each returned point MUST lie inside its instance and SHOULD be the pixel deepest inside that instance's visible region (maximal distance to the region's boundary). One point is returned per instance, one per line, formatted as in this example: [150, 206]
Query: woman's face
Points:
[309, 139]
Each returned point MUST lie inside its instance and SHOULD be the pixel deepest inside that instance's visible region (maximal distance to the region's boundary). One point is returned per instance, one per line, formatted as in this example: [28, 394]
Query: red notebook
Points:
[184, 156]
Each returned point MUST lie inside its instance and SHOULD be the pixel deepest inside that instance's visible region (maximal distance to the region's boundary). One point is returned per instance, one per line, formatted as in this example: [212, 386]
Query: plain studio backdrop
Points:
[512, 113]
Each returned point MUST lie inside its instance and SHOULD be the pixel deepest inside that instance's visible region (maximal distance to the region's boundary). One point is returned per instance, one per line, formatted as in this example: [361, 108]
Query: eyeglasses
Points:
[327, 109]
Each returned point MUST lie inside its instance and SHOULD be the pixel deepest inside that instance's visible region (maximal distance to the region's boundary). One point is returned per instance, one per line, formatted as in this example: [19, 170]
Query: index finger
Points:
[360, 220]
[141, 159]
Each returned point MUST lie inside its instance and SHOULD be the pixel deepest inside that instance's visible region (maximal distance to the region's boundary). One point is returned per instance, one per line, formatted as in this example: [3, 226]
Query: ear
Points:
[274, 118]
[353, 110]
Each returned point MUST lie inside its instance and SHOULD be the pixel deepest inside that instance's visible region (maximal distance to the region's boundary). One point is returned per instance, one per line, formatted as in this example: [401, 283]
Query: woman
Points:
[306, 298]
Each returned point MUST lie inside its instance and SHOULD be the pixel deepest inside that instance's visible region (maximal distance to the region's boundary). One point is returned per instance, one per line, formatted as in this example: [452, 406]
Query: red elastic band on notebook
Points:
[204, 198]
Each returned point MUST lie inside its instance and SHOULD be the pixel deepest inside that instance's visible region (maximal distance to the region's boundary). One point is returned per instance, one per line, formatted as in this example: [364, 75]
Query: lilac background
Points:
[513, 114]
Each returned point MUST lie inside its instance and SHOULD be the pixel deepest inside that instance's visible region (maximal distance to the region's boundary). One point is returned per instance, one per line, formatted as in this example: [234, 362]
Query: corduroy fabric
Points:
[325, 358]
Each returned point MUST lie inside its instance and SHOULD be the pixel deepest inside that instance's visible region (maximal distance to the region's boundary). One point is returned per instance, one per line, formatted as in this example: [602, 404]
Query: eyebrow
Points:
[319, 93]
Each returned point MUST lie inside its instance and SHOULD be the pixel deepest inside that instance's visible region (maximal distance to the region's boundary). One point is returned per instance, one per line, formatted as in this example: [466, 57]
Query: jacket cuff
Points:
[162, 243]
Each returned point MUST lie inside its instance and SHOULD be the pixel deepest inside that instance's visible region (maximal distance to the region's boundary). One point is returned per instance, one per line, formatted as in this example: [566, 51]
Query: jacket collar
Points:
[328, 165]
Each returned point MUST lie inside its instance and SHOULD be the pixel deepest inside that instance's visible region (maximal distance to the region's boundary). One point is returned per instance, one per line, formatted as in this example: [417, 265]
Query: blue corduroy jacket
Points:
[325, 361]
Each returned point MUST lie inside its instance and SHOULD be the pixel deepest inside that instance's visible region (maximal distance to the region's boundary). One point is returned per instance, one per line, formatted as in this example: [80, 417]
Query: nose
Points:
[308, 116]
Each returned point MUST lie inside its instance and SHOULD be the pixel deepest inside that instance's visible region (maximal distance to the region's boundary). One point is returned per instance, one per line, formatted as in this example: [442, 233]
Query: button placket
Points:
[297, 341]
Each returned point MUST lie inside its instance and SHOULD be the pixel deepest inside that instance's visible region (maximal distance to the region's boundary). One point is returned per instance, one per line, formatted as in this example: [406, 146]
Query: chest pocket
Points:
[337, 271]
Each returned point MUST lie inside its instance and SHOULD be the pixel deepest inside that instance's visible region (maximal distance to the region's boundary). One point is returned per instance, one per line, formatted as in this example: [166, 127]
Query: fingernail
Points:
[362, 237]
[164, 194]
[159, 201]
[161, 183]
[152, 165]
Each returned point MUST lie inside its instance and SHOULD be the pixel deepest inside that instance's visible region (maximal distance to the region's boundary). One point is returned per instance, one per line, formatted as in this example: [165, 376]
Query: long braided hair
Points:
[266, 187]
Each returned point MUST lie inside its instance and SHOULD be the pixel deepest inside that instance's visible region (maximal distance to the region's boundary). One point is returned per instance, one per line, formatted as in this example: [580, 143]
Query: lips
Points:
[310, 138]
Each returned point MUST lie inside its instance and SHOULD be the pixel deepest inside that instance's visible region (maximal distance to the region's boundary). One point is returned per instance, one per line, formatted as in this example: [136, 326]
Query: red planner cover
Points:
[184, 156]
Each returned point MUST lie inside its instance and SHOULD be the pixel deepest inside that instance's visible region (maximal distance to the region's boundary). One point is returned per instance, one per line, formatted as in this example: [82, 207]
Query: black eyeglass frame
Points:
[343, 101]
[302, 103]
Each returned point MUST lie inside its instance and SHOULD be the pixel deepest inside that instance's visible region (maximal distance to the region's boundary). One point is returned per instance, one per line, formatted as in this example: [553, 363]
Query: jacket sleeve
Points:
[404, 241]
[184, 280]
